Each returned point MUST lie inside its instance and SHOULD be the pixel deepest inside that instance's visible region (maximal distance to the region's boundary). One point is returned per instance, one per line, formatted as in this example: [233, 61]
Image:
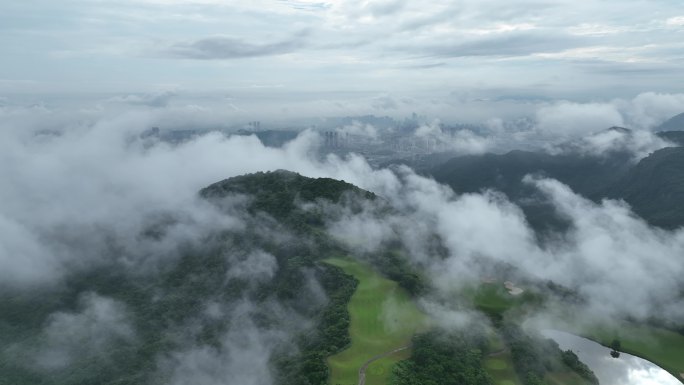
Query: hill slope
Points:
[675, 123]
[655, 188]
[589, 176]
[253, 291]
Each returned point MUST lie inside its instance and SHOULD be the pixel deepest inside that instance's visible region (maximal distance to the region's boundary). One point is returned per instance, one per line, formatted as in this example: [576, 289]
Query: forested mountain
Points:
[676, 137]
[256, 294]
[585, 174]
[262, 280]
[588, 175]
[676, 123]
[281, 193]
[653, 186]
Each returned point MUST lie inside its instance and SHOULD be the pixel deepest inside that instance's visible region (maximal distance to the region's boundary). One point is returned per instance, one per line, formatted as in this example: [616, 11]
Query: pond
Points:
[625, 370]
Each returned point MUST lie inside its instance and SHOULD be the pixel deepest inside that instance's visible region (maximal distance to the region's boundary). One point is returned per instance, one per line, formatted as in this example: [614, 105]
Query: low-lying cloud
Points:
[83, 195]
[100, 324]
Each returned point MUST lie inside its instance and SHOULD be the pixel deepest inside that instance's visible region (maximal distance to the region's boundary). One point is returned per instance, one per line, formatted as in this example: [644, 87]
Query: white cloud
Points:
[677, 21]
[359, 129]
[96, 179]
[567, 119]
[649, 109]
[462, 141]
[101, 324]
[352, 45]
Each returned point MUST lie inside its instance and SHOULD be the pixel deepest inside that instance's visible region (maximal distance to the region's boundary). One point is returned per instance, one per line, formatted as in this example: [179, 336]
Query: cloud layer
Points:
[613, 48]
[80, 192]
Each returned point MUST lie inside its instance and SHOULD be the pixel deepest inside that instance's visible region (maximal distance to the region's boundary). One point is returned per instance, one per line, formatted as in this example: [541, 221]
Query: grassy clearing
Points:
[492, 298]
[496, 364]
[382, 368]
[664, 348]
[383, 318]
[499, 365]
[500, 368]
[565, 378]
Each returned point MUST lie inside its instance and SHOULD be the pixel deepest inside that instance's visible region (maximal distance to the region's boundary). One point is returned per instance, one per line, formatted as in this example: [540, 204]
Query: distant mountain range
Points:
[676, 123]
[654, 186]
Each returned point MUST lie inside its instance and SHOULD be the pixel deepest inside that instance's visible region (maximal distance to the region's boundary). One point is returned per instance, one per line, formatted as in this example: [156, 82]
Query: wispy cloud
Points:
[222, 48]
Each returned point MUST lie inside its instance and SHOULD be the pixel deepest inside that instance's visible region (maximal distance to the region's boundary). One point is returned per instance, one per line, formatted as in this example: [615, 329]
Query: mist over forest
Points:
[340, 193]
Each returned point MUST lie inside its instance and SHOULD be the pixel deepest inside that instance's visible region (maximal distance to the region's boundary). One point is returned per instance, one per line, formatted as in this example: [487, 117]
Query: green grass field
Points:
[499, 365]
[493, 299]
[383, 318]
[500, 368]
[565, 378]
[664, 348]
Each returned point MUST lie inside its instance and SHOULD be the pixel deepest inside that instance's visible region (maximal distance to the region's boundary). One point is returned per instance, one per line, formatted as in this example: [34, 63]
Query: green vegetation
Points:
[664, 348]
[586, 175]
[195, 279]
[366, 313]
[539, 361]
[331, 334]
[498, 362]
[676, 137]
[560, 368]
[564, 378]
[394, 266]
[500, 369]
[445, 358]
[654, 188]
[383, 318]
[161, 302]
[494, 300]
[571, 360]
[281, 194]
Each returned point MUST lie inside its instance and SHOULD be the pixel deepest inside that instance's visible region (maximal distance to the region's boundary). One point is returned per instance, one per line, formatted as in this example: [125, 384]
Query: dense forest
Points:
[331, 334]
[534, 357]
[205, 273]
[652, 186]
[204, 276]
[445, 358]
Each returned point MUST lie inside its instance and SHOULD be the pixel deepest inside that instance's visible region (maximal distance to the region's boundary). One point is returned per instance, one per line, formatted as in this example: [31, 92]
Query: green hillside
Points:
[655, 188]
[166, 306]
[383, 318]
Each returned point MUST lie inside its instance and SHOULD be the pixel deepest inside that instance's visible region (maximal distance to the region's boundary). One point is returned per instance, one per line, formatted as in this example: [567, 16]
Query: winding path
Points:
[362, 370]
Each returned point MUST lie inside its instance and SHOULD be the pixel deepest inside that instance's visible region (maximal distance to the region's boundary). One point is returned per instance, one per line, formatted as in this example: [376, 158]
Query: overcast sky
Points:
[478, 48]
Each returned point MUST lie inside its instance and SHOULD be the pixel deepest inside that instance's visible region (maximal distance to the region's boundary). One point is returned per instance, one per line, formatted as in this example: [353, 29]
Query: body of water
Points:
[625, 370]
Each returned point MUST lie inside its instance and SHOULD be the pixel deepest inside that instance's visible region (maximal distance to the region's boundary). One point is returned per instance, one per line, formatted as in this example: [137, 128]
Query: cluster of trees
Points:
[534, 357]
[177, 293]
[331, 334]
[444, 358]
[571, 360]
[616, 346]
[395, 267]
[281, 195]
